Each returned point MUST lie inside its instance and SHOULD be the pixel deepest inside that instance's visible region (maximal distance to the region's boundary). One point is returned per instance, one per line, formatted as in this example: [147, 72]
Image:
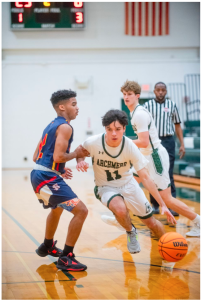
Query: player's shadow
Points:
[52, 277]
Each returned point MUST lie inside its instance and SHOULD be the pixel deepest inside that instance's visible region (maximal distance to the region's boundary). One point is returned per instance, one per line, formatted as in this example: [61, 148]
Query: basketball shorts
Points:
[133, 196]
[52, 191]
[158, 168]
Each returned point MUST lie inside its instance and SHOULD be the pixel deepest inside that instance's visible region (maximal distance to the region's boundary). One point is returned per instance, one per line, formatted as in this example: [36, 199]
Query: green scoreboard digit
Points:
[47, 15]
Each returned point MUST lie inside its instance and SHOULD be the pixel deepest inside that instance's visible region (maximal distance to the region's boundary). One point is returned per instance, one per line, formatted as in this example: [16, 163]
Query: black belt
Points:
[167, 136]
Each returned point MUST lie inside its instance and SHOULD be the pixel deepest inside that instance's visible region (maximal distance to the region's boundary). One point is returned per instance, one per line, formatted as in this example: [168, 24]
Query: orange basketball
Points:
[172, 246]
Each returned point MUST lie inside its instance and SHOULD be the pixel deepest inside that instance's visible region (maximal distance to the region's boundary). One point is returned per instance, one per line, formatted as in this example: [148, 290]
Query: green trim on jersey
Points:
[135, 175]
[123, 142]
[157, 162]
[112, 198]
[134, 110]
[96, 193]
[145, 217]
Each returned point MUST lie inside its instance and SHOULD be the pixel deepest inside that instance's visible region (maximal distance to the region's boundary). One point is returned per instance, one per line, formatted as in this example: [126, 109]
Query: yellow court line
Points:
[28, 269]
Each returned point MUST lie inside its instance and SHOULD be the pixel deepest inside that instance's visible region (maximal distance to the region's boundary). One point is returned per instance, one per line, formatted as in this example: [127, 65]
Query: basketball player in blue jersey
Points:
[50, 156]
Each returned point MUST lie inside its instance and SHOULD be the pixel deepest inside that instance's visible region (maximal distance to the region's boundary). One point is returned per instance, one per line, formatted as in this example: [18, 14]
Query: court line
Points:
[35, 282]
[28, 269]
[71, 277]
[52, 259]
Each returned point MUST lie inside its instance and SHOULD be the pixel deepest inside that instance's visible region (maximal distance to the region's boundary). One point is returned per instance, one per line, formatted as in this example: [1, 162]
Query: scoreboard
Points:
[47, 15]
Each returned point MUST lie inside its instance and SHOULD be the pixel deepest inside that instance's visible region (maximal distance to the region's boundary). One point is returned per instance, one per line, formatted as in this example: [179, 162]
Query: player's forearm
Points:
[64, 157]
[80, 159]
[141, 143]
[151, 187]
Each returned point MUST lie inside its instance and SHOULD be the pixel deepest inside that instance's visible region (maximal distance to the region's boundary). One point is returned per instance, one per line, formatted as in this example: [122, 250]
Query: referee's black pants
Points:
[168, 143]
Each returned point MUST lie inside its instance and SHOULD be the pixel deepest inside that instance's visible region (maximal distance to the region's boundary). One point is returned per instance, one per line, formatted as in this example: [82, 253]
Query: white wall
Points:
[35, 64]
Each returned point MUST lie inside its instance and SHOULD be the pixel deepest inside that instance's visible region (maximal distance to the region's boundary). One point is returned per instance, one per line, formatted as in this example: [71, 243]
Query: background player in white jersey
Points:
[150, 145]
[113, 156]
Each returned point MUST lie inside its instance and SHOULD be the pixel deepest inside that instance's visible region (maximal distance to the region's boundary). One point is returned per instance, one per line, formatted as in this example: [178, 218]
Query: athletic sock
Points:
[67, 250]
[133, 229]
[197, 219]
[48, 243]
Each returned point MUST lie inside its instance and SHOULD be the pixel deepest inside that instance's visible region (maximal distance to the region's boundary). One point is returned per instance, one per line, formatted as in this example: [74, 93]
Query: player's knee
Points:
[83, 211]
[120, 212]
[152, 224]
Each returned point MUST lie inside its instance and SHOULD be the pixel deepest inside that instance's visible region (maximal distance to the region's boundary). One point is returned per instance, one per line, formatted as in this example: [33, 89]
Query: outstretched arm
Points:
[63, 133]
[150, 186]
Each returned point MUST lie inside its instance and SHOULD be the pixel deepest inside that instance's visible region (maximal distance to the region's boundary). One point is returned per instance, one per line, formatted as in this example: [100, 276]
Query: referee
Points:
[167, 121]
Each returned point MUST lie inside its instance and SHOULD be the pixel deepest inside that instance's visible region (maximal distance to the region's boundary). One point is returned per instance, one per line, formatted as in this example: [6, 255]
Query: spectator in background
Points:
[167, 121]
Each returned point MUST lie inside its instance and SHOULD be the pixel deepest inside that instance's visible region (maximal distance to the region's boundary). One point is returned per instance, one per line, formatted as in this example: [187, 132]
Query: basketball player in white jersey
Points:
[150, 146]
[113, 156]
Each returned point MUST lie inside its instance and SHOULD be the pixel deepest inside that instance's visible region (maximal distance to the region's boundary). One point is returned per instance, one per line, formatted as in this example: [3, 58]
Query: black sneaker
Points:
[44, 251]
[174, 213]
[155, 210]
[69, 263]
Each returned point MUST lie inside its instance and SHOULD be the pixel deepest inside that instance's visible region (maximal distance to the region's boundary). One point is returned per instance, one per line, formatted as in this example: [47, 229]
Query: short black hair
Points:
[62, 95]
[115, 115]
[160, 82]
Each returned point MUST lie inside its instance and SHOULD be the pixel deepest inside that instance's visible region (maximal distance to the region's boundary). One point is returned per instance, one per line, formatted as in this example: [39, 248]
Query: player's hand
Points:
[68, 173]
[82, 166]
[81, 152]
[181, 152]
[170, 217]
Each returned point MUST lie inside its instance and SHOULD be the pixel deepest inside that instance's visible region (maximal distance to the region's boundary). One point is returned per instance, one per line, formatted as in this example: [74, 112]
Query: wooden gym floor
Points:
[113, 273]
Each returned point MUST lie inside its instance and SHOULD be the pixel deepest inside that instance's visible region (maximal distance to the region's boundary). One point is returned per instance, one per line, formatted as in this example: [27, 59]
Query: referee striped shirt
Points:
[165, 115]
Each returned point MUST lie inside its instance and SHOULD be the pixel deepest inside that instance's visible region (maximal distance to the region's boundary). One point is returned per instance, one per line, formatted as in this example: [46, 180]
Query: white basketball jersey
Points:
[113, 165]
[141, 121]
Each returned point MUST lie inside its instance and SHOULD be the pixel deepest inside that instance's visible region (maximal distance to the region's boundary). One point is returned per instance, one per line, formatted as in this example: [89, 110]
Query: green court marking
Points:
[36, 242]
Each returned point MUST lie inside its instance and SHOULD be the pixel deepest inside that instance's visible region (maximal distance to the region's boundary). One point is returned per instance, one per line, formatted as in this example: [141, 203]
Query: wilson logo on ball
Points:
[181, 244]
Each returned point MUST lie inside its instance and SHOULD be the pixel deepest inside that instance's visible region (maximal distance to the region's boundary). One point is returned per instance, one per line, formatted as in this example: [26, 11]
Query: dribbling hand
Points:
[170, 217]
[82, 166]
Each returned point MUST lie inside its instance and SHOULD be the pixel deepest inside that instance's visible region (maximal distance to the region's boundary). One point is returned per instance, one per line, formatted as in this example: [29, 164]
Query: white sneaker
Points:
[132, 242]
[195, 231]
[167, 266]
[111, 220]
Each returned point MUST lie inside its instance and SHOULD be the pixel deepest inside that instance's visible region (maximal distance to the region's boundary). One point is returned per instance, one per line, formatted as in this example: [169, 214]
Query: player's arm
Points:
[179, 134]
[151, 187]
[143, 140]
[36, 151]
[63, 135]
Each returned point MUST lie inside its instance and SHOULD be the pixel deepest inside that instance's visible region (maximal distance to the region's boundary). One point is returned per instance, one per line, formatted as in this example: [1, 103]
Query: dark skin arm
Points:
[63, 135]
[179, 134]
[36, 151]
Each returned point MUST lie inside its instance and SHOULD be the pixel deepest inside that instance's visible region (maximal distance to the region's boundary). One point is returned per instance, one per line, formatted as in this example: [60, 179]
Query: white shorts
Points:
[158, 168]
[133, 195]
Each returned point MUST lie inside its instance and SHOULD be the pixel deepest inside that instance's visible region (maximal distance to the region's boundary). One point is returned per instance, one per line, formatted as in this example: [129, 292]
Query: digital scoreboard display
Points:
[47, 15]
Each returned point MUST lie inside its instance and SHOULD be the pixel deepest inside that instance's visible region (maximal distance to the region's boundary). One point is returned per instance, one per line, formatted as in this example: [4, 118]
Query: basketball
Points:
[172, 246]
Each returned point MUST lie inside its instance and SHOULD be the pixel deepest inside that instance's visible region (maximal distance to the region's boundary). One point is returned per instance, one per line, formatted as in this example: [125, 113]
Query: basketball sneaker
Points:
[111, 220]
[132, 241]
[195, 231]
[44, 251]
[69, 263]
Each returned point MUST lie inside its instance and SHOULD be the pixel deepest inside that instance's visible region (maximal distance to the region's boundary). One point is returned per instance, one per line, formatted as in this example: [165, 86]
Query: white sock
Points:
[197, 219]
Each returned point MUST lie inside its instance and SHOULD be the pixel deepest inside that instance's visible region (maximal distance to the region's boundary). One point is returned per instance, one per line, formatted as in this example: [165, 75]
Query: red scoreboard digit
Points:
[47, 15]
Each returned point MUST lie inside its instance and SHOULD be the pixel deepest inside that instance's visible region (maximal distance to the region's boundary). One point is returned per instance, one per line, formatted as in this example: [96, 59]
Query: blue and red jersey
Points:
[47, 145]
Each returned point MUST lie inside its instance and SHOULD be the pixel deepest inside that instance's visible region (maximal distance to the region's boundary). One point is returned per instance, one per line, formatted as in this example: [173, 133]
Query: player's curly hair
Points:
[131, 86]
[115, 115]
[62, 95]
